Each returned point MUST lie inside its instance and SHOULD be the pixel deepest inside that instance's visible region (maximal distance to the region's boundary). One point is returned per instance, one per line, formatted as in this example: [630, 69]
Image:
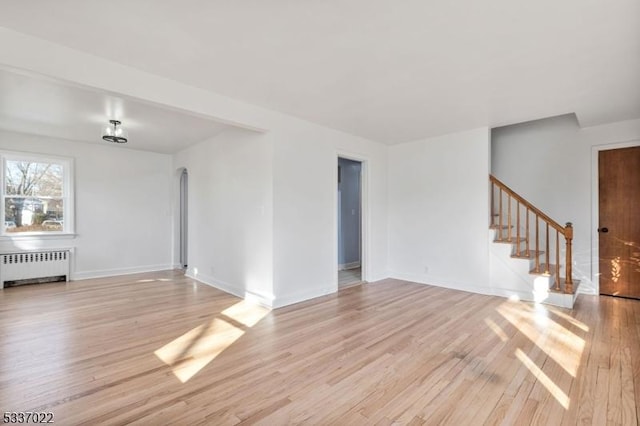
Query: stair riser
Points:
[511, 276]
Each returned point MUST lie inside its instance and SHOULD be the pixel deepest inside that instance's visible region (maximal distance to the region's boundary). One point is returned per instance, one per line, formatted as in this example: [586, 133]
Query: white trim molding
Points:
[265, 300]
[365, 208]
[86, 275]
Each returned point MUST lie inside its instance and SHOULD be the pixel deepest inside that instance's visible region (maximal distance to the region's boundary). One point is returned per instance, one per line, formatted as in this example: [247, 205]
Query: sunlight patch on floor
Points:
[496, 329]
[553, 389]
[246, 313]
[582, 326]
[191, 352]
[563, 346]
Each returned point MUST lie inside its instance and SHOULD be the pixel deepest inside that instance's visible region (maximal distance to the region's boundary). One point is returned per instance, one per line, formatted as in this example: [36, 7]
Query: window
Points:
[36, 195]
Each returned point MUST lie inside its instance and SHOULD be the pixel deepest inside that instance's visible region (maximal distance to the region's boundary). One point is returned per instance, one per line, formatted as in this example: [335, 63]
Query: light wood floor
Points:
[162, 349]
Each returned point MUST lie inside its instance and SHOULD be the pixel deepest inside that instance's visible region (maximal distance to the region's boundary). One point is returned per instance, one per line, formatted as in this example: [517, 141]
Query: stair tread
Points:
[497, 226]
[512, 241]
[543, 268]
[523, 254]
[562, 287]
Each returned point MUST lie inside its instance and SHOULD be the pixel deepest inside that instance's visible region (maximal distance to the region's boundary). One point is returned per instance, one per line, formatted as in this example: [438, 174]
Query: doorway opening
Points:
[184, 218]
[618, 227]
[349, 222]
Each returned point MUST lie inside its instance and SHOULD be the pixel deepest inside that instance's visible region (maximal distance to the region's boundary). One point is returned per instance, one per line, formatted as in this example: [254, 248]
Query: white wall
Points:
[439, 211]
[121, 195]
[230, 212]
[437, 197]
[263, 210]
[305, 209]
[611, 134]
[551, 163]
[304, 159]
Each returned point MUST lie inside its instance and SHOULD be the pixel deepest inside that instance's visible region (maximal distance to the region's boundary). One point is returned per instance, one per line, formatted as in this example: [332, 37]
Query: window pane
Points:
[33, 214]
[29, 178]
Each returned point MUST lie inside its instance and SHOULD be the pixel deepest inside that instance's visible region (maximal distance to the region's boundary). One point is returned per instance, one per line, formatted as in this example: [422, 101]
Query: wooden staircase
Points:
[532, 242]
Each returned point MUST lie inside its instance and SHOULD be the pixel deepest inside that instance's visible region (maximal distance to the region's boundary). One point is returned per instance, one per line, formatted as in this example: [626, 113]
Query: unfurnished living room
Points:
[323, 213]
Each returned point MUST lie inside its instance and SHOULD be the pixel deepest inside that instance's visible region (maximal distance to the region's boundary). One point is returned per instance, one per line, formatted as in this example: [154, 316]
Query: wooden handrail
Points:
[565, 231]
[531, 207]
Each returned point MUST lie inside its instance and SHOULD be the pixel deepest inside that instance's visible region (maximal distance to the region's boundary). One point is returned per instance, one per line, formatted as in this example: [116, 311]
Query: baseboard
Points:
[587, 290]
[86, 275]
[280, 302]
[239, 291]
[452, 285]
[511, 294]
[440, 282]
[373, 278]
[213, 282]
[550, 298]
[262, 299]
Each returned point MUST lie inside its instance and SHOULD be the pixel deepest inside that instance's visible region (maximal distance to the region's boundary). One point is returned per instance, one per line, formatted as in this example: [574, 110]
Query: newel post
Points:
[568, 236]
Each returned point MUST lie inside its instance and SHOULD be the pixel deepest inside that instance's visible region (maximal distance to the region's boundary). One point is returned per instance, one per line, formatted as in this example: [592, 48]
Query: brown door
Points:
[619, 230]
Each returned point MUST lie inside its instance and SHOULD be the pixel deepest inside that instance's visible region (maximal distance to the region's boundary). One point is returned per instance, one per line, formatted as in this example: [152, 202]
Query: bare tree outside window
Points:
[33, 195]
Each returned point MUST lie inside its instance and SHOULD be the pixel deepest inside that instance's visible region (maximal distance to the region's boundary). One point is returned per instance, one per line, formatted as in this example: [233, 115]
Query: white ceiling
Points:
[31, 104]
[389, 71]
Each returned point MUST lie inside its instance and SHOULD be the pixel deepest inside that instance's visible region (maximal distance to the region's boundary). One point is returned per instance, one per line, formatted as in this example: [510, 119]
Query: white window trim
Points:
[68, 196]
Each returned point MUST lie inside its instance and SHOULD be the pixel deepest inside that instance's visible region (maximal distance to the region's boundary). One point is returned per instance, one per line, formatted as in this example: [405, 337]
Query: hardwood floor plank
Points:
[160, 348]
[601, 400]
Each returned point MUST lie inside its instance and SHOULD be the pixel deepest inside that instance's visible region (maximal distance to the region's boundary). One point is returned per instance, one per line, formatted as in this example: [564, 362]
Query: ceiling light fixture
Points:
[113, 133]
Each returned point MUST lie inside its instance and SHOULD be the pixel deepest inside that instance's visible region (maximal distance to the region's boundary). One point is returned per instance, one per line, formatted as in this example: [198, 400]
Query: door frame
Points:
[183, 198]
[364, 215]
[175, 219]
[595, 206]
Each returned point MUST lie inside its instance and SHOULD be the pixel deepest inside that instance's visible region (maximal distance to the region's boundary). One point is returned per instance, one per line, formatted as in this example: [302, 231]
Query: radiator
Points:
[34, 267]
